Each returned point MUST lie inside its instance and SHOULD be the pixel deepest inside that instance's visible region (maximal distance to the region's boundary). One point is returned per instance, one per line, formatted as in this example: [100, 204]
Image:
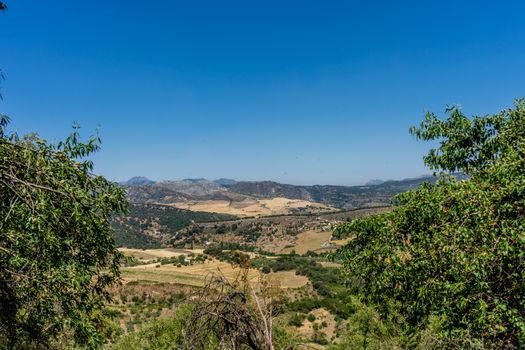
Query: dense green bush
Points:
[366, 330]
[296, 319]
[454, 250]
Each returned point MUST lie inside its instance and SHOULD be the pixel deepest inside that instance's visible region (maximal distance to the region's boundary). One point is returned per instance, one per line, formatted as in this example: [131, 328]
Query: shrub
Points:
[296, 320]
[367, 330]
[319, 338]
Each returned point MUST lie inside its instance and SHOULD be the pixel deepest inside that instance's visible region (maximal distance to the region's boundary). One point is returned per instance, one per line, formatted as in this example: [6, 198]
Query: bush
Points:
[296, 320]
[367, 330]
[319, 338]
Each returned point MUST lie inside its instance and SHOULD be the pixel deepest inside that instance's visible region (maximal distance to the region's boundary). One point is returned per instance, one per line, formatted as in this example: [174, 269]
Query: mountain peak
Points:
[138, 181]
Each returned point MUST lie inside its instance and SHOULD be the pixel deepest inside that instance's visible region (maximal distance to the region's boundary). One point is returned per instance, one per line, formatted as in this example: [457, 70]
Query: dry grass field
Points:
[150, 275]
[149, 254]
[286, 279]
[253, 207]
[309, 240]
[193, 275]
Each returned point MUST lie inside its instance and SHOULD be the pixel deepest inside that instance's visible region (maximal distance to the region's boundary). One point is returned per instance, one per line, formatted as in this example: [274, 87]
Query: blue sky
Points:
[294, 91]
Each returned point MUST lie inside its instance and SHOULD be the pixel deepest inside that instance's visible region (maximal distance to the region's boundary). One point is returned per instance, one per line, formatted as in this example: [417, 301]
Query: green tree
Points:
[454, 250]
[57, 255]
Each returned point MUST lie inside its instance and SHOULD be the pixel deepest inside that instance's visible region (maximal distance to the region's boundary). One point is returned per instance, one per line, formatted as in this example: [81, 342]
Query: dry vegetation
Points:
[153, 281]
[191, 275]
[310, 241]
[286, 279]
[150, 254]
[254, 207]
[194, 275]
[275, 232]
[324, 320]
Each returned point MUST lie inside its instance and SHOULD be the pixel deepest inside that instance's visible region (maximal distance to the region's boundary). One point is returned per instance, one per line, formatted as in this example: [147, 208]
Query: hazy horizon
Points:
[289, 183]
[300, 92]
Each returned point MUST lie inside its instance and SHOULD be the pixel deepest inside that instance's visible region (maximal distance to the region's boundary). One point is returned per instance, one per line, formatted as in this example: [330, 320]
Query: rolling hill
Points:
[149, 225]
[192, 192]
[342, 197]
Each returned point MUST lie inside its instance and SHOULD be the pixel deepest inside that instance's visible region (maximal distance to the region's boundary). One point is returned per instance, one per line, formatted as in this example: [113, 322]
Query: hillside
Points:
[270, 189]
[277, 234]
[154, 194]
[206, 196]
[192, 187]
[343, 197]
[149, 225]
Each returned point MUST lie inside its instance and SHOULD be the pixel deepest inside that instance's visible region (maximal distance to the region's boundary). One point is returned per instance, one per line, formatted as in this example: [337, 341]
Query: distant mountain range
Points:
[343, 197]
[375, 192]
[141, 180]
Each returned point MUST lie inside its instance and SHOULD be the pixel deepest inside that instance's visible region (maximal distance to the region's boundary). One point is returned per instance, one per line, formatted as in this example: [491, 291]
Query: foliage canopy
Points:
[57, 256]
[454, 250]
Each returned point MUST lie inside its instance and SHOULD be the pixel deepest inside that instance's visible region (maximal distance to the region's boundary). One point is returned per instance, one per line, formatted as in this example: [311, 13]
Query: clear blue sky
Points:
[294, 91]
